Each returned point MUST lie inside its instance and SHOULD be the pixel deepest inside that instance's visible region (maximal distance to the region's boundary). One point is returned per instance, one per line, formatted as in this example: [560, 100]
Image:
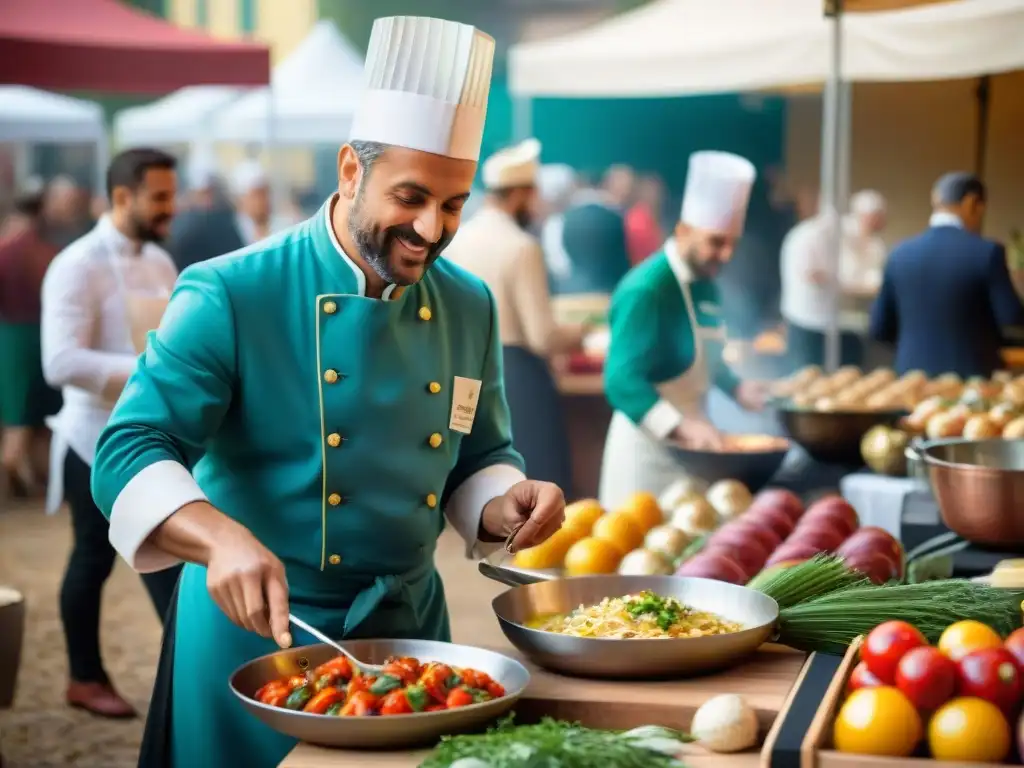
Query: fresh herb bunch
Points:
[557, 744]
[819, 576]
[666, 610]
[830, 622]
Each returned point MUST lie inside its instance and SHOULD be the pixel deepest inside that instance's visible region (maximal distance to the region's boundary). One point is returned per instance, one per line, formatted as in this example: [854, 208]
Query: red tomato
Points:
[458, 697]
[926, 677]
[1015, 645]
[861, 677]
[885, 645]
[395, 703]
[990, 674]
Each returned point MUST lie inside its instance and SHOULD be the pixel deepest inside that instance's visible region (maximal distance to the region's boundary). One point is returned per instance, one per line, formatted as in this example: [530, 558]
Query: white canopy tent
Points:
[682, 47]
[182, 117]
[312, 98]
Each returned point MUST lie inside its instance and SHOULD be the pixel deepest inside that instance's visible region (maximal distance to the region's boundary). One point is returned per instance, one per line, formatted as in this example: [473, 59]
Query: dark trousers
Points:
[807, 347]
[90, 563]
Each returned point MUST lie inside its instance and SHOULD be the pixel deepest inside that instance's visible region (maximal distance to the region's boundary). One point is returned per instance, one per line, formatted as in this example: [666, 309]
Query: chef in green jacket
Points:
[667, 336]
[314, 406]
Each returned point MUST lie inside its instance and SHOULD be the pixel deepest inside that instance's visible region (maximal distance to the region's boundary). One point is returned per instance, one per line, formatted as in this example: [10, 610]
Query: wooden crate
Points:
[815, 747]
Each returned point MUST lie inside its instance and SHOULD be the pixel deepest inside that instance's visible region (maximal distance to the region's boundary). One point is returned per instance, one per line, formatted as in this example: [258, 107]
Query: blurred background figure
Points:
[556, 184]
[805, 267]
[66, 213]
[946, 294]
[496, 245]
[250, 187]
[644, 232]
[25, 398]
[207, 226]
[619, 185]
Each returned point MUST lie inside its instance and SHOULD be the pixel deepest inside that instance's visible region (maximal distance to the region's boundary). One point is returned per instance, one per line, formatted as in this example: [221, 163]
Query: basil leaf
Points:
[417, 696]
[385, 684]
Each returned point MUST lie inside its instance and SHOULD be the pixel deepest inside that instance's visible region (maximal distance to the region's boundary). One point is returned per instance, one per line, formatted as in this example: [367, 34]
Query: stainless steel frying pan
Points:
[390, 732]
[534, 594]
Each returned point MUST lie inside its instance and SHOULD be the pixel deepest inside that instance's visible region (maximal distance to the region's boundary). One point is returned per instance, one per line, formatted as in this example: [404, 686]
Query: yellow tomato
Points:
[592, 556]
[966, 636]
[877, 721]
[619, 529]
[583, 514]
[642, 508]
[547, 554]
[969, 730]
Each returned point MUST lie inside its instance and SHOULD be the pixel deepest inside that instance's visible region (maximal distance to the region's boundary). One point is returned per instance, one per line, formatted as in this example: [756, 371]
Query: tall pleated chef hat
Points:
[717, 192]
[247, 176]
[425, 86]
[515, 166]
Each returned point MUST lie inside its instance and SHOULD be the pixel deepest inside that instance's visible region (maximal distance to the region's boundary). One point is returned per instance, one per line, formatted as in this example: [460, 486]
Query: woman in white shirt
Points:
[101, 296]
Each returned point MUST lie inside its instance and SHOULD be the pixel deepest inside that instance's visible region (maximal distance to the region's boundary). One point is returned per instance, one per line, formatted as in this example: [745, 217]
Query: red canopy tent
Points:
[104, 45]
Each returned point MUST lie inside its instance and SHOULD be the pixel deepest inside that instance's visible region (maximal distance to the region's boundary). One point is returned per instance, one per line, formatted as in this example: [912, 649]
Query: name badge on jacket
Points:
[465, 395]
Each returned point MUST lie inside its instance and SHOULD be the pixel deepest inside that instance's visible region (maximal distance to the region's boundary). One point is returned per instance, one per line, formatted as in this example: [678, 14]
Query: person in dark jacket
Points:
[946, 294]
[207, 226]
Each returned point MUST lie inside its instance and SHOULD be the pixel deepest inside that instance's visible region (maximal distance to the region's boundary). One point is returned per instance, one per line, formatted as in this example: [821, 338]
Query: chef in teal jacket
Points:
[314, 406]
[667, 336]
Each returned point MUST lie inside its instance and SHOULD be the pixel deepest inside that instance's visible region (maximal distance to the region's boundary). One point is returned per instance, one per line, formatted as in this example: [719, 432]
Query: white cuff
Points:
[467, 503]
[149, 498]
[661, 419]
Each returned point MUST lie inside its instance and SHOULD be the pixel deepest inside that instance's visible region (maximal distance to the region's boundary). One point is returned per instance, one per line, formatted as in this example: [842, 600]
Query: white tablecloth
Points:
[878, 500]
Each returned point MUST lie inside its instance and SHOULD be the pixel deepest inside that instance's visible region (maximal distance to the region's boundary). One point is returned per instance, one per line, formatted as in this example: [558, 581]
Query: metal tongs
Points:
[493, 566]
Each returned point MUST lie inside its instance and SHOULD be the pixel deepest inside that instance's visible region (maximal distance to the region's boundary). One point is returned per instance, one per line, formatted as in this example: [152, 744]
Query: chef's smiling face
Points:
[705, 251]
[404, 209]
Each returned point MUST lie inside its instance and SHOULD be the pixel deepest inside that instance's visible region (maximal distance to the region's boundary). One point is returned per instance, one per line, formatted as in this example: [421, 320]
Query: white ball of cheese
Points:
[725, 723]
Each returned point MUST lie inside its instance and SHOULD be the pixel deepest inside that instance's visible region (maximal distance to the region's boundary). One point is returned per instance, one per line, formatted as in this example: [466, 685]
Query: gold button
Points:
[431, 500]
[434, 387]
[330, 375]
[436, 440]
[425, 313]
[330, 307]
[334, 559]
[334, 499]
[334, 440]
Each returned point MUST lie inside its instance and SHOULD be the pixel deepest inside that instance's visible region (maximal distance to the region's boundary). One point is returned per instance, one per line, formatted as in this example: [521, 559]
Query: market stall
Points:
[182, 117]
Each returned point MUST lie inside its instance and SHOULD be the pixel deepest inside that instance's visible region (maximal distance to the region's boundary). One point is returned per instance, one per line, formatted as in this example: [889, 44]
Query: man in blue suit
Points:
[946, 294]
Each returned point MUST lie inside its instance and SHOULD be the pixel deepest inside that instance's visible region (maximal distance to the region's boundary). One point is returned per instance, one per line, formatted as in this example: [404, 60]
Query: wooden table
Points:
[764, 682]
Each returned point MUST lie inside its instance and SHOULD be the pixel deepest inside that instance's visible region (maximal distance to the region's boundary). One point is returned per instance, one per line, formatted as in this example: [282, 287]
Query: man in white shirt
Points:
[101, 296]
[251, 187]
[805, 265]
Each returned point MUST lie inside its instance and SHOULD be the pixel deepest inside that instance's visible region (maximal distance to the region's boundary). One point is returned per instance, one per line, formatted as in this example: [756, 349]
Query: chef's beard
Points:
[706, 270]
[376, 245]
[145, 230]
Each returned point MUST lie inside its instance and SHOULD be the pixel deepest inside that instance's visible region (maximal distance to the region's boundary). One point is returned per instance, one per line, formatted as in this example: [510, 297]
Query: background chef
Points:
[496, 246]
[343, 388]
[667, 336]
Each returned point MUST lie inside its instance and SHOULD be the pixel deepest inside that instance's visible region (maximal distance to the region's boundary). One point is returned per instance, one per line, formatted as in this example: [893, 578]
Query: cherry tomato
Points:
[861, 677]
[458, 698]
[926, 677]
[361, 683]
[990, 674]
[359, 704]
[959, 639]
[395, 703]
[324, 700]
[1015, 645]
[496, 690]
[877, 721]
[885, 645]
[968, 731]
[338, 667]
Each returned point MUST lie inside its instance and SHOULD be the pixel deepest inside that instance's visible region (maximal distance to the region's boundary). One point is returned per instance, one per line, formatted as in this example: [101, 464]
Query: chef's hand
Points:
[247, 582]
[537, 506]
[697, 435]
[753, 395]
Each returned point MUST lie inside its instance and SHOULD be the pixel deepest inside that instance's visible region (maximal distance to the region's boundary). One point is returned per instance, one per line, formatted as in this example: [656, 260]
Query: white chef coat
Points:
[804, 249]
[86, 338]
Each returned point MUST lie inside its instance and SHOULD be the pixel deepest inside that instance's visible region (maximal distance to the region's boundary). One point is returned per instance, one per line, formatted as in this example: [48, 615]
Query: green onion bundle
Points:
[831, 621]
[557, 743]
[808, 580]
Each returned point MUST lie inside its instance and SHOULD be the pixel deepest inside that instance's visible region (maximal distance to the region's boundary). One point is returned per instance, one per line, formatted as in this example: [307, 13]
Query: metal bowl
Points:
[833, 437]
[979, 487]
[393, 731]
[752, 468]
[635, 658]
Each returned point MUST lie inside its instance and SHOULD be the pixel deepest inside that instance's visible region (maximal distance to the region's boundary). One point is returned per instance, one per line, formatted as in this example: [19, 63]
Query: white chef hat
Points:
[425, 86]
[515, 166]
[556, 181]
[202, 171]
[247, 176]
[866, 202]
[717, 191]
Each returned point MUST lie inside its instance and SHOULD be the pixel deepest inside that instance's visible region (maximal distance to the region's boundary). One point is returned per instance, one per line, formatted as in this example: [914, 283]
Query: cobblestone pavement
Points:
[41, 732]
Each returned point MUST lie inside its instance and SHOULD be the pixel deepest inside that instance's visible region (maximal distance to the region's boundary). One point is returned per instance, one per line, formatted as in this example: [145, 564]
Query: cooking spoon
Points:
[367, 669]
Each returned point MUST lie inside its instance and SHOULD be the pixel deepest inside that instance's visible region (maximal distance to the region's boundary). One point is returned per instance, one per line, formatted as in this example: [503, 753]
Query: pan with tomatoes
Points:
[425, 690]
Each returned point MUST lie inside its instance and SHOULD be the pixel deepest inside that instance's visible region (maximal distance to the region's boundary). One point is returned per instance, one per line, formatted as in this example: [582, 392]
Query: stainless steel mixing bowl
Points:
[633, 658]
[392, 731]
